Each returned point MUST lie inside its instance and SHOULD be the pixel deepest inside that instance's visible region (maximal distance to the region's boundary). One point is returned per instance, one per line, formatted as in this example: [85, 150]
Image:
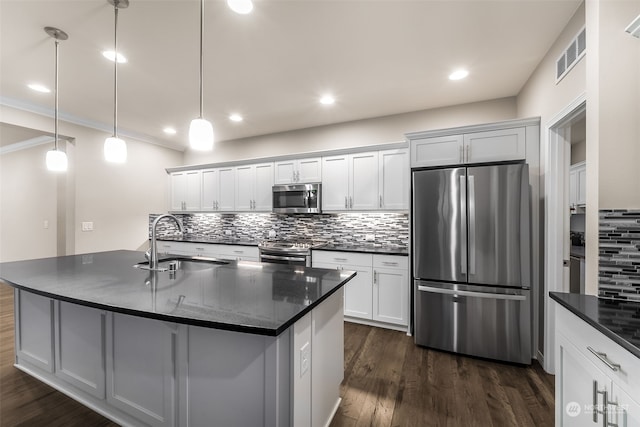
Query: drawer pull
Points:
[340, 259]
[238, 252]
[603, 358]
[390, 263]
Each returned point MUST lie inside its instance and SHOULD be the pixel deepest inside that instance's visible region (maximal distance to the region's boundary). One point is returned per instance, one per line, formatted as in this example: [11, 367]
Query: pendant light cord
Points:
[55, 130]
[115, 74]
[201, 58]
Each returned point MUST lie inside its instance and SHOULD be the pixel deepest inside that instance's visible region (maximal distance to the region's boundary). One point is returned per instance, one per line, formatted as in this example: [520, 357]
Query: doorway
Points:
[556, 164]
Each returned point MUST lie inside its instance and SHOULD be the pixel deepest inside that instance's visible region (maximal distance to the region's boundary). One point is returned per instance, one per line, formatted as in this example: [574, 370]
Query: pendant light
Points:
[200, 130]
[115, 149]
[56, 159]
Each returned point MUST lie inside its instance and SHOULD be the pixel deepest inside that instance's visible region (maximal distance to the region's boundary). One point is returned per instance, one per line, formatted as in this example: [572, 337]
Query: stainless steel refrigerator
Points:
[471, 264]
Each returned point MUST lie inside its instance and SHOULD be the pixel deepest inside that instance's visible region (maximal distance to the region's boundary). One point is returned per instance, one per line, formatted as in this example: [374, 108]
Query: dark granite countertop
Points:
[240, 296]
[617, 319]
[364, 248]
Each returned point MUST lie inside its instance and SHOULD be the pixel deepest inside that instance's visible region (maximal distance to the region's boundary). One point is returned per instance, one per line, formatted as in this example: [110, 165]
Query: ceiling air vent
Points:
[576, 50]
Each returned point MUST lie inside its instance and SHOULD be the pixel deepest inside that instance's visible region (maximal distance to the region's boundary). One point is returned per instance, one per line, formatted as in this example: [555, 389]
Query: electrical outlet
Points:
[305, 358]
[272, 234]
[370, 237]
[227, 232]
[45, 224]
[87, 226]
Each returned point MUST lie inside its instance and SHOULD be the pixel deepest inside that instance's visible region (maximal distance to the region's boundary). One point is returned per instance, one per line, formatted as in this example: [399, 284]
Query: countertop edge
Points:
[556, 296]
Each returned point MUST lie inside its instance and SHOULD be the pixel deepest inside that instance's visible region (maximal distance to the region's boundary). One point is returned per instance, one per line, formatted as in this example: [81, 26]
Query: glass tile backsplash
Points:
[387, 229]
[619, 265]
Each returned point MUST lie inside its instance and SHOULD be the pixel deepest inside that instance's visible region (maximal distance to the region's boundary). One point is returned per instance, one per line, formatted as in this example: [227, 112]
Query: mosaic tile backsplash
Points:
[619, 266]
[389, 229]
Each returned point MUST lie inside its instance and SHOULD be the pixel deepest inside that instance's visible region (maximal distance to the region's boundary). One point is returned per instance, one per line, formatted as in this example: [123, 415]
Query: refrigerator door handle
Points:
[472, 225]
[471, 293]
[463, 224]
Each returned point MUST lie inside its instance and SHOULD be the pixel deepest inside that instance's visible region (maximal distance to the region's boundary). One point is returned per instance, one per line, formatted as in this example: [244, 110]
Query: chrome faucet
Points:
[153, 256]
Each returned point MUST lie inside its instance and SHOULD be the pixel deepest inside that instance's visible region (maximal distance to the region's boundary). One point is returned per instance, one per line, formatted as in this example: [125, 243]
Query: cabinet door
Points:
[391, 296]
[193, 192]
[80, 352]
[581, 178]
[576, 378]
[285, 172]
[178, 185]
[227, 194]
[335, 183]
[140, 368]
[436, 151]
[573, 188]
[210, 189]
[358, 297]
[309, 170]
[34, 329]
[363, 181]
[625, 411]
[393, 180]
[262, 199]
[492, 146]
[245, 176]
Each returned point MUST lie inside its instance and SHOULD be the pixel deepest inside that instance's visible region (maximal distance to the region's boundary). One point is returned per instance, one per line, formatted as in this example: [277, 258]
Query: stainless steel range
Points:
[288, 252]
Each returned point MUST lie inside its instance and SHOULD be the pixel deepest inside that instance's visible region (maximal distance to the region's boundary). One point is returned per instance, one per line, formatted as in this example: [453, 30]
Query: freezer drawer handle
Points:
[471, 293]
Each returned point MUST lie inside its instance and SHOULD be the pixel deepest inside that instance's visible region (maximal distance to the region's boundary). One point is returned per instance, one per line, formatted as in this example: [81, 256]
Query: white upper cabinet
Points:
[218, 189]
[253, 187]
[393, 179]
[185, 190]
[436, 151]
[578, 184]
[335, 183]
[472, 144]
[298, 171]
[497, 145]
[350, 182]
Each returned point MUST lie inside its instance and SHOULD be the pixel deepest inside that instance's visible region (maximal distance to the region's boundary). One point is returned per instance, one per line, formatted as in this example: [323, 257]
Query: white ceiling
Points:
[376, 57]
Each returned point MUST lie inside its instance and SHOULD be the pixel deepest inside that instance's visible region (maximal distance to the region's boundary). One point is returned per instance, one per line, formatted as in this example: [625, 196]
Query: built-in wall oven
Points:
[287, 252]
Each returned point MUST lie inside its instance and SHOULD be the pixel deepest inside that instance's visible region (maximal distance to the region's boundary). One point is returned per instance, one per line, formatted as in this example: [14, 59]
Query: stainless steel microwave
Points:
[297, 198]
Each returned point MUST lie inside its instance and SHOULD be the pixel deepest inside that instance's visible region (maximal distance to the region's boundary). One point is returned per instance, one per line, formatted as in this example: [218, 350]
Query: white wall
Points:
[359, 133]
[116, 198]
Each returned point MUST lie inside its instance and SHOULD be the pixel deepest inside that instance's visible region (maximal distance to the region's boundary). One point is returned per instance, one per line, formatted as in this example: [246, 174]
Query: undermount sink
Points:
[196, 263]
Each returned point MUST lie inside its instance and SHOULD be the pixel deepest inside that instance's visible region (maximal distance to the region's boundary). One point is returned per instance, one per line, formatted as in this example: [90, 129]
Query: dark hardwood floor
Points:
[388, 382]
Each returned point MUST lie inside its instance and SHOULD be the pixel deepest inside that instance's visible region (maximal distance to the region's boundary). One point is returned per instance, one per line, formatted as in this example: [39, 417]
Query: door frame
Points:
[555, 166]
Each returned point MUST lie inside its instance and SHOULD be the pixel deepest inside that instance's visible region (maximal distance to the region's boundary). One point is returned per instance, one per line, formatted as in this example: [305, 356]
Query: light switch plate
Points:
[87, 226]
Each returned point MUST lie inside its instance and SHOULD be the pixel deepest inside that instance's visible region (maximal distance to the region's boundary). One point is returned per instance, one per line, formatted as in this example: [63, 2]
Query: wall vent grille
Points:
[572, 55]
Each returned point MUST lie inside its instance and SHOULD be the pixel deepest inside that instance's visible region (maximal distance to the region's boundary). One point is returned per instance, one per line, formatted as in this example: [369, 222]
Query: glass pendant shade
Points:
[115, 150]
[56, 161]
[201, 134]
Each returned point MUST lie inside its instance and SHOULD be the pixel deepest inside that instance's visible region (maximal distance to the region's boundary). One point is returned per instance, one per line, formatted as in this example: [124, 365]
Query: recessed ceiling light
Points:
[111, 55]
[458, 74]
[169, 131]
[235, 117]
[39, 88]
[240, 6]
[327, 100]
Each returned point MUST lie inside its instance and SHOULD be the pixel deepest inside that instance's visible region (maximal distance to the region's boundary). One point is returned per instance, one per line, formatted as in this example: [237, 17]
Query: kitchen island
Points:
[233, 343]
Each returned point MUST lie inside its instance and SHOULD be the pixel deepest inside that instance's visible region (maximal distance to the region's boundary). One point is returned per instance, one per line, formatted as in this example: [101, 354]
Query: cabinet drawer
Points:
[237, 251]
[391, 261]
[584, 336]
[346, 258]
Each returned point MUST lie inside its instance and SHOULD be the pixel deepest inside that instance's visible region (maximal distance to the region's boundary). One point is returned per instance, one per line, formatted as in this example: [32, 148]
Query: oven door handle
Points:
[283, 258]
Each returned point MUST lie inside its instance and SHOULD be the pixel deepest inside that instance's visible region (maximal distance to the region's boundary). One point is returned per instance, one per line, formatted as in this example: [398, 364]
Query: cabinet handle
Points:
[605, 401]
[375, 277]
[340, 259]
[468, 147]
[381, 200]
[390, 263]
[238, 252]
[603, 358]
[461, 154]
[346, 204]
[350, 202]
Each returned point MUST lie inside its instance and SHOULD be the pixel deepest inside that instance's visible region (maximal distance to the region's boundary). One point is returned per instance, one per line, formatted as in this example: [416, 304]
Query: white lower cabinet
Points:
[79, 345]
[34, 329]
[597, 381]
[226, 252]
[141, 367]
[380, 290]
